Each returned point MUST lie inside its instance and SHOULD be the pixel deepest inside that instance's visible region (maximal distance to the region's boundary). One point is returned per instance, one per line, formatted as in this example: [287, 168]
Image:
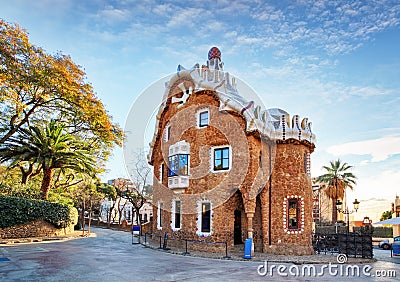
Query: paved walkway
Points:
[111, 257]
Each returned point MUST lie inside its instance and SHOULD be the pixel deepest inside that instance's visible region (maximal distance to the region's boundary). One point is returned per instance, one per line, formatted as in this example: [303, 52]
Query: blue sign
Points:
[135, 229]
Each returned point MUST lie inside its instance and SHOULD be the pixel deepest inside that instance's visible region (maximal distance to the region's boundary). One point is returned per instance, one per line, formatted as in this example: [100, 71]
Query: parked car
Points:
[385, 244]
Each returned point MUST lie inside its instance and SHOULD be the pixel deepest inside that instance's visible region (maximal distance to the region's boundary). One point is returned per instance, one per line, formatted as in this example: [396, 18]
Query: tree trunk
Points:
[47, 176]
[25, 174]
[90, 215]
[24, 179]
[139, 220]
[334, 211]
[83, 217]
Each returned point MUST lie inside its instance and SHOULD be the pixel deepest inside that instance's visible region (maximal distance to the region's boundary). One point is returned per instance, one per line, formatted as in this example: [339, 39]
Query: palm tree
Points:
[337, 179]
[49, 148]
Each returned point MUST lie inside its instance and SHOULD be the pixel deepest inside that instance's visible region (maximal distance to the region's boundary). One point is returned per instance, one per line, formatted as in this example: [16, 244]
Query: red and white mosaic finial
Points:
[214, 53]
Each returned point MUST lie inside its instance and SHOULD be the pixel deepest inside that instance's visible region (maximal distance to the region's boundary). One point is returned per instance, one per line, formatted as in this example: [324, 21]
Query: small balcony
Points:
[178, 182]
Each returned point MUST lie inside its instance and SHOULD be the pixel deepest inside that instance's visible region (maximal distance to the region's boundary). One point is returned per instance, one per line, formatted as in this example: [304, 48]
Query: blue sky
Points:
[336, 62]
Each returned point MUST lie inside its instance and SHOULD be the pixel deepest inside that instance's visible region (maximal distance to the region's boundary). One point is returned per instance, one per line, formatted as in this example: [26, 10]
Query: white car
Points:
[385, 244]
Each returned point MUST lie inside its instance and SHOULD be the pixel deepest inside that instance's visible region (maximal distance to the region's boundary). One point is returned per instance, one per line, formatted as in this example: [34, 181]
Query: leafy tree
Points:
[49, 148]
[337, 178]
[110, 192]
[141, 192]
[137, 200]
[86, 197]
[36, 86]
[386, 215]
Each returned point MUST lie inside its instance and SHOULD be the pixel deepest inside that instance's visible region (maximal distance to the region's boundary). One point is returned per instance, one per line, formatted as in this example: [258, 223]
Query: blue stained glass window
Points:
[178, 165]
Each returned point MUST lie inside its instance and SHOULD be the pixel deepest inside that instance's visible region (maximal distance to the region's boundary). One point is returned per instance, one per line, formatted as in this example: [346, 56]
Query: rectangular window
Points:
[178, 165]
[162, 167]
[203, 118]
[160, 214]
[173, 165]
[221, 159]
[183, 165]
[177, 214]
[293, 214]
[205, 217]
[167, 133]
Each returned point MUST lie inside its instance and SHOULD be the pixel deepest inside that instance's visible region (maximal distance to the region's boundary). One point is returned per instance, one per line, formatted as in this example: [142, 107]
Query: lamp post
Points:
[346, 211]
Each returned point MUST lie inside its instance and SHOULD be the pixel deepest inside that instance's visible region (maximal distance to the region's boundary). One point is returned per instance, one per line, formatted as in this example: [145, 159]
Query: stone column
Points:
[250, 229]
[250, 209]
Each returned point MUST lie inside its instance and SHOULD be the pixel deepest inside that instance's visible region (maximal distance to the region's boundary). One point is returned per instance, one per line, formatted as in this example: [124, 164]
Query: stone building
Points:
[226, 169]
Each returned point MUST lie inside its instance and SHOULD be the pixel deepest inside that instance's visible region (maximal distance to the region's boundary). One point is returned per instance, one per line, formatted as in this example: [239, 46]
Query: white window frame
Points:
[212, 161]
[200, 218]
[160, 207]
[198, 120]
[173, 213]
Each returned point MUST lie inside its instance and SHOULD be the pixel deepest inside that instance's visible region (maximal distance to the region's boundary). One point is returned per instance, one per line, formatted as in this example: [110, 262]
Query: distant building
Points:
[396, 213]
[123, 209]
[396, 207]
[322, 206]
[123, 184]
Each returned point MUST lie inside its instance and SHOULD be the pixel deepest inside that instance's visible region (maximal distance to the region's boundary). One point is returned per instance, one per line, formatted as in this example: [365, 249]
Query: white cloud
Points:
[375, 192]
[379, 149]
[111, 14]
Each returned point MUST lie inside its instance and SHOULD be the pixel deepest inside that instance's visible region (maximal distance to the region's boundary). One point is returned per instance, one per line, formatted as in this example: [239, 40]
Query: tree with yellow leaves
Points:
[36, 86]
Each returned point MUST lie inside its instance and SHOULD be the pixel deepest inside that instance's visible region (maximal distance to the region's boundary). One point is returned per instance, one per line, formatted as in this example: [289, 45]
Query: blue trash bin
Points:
[247, 248]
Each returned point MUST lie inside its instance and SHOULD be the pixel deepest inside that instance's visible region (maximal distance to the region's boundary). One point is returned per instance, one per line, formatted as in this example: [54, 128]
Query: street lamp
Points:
[346, 211]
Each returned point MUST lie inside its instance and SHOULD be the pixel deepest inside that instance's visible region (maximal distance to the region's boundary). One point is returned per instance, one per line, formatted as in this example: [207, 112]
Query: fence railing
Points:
[351, 244]
[164, 239]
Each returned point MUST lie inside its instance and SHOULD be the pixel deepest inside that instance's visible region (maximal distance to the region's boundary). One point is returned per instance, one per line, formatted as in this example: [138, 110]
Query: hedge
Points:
[14, 211]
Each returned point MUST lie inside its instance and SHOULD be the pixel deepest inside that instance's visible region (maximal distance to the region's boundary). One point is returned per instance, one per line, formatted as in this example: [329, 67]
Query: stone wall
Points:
[39, 228]
[289, 179]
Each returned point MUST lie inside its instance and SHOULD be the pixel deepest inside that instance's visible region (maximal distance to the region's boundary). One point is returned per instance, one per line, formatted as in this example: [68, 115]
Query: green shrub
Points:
[14, 211]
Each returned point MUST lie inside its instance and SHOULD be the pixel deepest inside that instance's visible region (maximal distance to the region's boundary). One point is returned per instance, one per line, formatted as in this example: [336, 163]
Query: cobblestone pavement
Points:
[111, 256]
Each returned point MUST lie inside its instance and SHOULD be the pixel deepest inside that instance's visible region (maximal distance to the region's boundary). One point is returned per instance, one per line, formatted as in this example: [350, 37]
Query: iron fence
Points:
[351, 244]
[164, 245]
